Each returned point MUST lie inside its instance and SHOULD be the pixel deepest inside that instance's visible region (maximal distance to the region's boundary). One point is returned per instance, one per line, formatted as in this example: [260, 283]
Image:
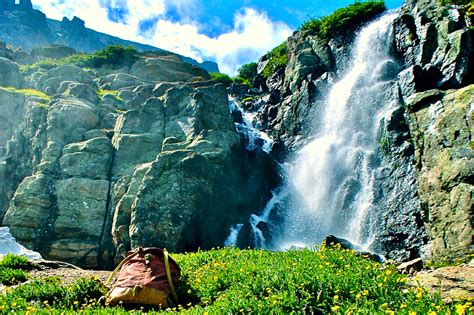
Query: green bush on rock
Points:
[15, 262]
[221, 78]
[277, 59]
[246, 74]
[343, 19]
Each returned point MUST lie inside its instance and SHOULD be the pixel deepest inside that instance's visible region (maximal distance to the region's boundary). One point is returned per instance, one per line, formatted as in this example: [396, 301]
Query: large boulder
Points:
[11, 111]
[167, 69]
[435, 38]
[10, 73]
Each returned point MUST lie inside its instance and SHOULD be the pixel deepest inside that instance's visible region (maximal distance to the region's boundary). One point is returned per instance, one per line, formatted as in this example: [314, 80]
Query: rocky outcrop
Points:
[435, 43]
[88, 173]
[454, 283]
[442, 127]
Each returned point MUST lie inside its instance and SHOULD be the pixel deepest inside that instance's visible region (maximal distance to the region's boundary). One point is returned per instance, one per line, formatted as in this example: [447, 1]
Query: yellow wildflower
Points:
[460, 309]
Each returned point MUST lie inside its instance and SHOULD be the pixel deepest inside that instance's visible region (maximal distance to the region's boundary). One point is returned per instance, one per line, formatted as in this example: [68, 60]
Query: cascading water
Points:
[331, 181]
[329, 186]
[255, 138]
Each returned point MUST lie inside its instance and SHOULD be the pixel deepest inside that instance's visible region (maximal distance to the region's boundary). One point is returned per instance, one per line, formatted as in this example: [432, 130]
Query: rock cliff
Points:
[94, 162]
[426, 143]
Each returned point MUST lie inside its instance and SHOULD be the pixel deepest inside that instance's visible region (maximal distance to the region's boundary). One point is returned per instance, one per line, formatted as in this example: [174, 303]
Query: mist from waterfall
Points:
[330, 183]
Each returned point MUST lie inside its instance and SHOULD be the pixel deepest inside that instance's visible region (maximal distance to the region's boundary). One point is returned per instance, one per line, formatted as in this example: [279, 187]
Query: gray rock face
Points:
[442, 127]
[90, 172]
[435, 42]
[9, 73]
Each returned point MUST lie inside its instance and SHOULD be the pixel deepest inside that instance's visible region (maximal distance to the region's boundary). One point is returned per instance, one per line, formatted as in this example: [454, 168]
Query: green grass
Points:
[233, 281]
[343, 19]
[457, 2]
[27, 92]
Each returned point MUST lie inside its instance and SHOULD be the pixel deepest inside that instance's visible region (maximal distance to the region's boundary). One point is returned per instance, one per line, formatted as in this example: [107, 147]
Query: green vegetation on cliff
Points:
[326, 27]
[277, 59]
[343, 19]
[112, 56]
[27, 92]
[235, 281]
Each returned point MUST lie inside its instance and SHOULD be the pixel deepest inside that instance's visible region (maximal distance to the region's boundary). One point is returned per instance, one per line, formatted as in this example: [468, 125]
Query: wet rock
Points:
[334, 241]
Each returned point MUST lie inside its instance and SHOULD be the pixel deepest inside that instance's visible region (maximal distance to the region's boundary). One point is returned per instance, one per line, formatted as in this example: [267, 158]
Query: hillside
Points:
[24, 27]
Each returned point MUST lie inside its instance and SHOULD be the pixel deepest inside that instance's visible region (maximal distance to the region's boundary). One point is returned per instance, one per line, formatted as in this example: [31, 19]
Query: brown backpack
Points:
[148, 276]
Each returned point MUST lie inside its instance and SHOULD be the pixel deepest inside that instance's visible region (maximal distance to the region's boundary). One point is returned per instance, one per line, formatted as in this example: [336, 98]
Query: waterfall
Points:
[329, 184]
[331, 180]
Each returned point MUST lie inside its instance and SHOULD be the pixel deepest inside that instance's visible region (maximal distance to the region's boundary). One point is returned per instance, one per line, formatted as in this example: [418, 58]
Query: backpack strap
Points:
[168, 274]
[116, 270]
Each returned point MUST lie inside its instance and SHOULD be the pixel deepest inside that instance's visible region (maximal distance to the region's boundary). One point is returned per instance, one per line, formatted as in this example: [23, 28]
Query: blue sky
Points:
[229, 32]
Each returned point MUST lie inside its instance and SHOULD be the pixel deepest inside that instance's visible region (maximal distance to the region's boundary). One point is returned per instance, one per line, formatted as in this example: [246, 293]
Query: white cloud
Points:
[252, 34]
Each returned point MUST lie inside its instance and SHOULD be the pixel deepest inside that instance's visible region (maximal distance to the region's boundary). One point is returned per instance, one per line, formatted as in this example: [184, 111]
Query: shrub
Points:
[221, 78]
[246, 73]
[343, 19]
[277, 59]
[9, 276]
[112, 56]
[15, 262]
